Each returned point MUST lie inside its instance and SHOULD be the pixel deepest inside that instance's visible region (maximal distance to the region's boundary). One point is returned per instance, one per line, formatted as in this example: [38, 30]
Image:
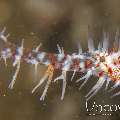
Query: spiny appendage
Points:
[104, 65]
[96, 88]
[17, 61]
[86, 77]
[7, 53]
[16, 53]
[48, 75]
[100, 62]
[62, 77]
[106, 74]
[4, 37]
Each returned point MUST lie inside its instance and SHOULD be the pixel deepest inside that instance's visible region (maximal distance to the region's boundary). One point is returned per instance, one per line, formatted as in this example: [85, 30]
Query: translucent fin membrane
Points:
[105, 41]
[90, 42]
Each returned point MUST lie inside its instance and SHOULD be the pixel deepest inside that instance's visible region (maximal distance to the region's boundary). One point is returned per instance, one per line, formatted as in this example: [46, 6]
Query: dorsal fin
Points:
[99, 45]
[105, 41]
[79, 48]
[116, 42]
[90, 42]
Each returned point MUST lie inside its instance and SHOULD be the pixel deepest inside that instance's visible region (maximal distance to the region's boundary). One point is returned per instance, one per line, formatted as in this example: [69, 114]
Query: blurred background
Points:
[52, 22]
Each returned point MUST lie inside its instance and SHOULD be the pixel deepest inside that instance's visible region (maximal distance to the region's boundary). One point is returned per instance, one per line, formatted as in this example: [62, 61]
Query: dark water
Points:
[52, 22]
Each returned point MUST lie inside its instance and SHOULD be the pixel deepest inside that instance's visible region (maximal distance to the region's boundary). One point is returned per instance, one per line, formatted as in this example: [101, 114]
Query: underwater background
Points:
[52, 22]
